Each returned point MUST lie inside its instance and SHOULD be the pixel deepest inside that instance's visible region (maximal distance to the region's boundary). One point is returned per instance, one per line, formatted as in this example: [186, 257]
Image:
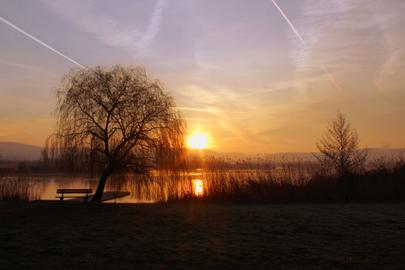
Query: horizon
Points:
[16, 154]
[258, 77]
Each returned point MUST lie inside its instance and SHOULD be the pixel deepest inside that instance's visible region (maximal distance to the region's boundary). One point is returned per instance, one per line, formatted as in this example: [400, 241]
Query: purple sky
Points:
[239, 70]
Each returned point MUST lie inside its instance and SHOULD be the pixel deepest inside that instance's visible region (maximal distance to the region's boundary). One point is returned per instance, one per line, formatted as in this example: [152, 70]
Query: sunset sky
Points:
[255, 76]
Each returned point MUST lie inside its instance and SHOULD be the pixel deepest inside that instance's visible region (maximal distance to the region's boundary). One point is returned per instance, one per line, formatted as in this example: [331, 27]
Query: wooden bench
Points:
[73, 193]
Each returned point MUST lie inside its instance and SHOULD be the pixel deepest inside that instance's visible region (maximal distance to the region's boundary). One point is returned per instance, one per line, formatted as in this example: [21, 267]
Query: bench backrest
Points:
[66, 190]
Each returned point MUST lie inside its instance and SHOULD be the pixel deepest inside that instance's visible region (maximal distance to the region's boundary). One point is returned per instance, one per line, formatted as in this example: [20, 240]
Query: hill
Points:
[19, 151]
[373, 154]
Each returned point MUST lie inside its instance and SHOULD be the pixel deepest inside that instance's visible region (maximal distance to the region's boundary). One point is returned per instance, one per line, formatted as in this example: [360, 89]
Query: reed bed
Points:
[18, 188]
[284, 183]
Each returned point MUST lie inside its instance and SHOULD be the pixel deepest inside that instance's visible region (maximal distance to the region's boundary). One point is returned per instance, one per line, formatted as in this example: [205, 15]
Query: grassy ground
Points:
[46, 235]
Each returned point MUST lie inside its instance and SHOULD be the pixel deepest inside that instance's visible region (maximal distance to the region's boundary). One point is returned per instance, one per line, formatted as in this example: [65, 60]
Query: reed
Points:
[288, 182]
[18, 188]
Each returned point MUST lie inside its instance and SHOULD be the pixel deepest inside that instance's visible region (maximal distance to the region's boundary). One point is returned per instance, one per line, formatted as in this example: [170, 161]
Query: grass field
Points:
[48, 235]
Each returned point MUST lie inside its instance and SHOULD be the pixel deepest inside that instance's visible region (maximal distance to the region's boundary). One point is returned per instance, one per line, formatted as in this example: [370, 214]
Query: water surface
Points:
[142, 188]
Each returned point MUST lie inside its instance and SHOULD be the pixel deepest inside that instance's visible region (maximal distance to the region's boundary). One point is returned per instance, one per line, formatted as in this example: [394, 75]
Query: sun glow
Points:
[198, 187]
[198, 140]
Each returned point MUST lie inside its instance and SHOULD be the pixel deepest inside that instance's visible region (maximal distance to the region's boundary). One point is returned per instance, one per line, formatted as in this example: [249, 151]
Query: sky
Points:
[258, 76]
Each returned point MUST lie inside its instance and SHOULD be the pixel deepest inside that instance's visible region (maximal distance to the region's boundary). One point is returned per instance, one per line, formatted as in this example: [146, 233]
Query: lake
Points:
[153, 186]
[142, 188]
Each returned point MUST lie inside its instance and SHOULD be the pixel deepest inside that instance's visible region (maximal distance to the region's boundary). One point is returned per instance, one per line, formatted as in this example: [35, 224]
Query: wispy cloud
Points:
[81, 14]
[299, 36]
[37, 40]
[29, 68]
[153, 26]
[108, 29]
[209, 110]
[357, 40]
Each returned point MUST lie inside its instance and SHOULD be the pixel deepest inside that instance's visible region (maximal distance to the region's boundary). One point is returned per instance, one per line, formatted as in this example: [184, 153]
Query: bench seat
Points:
[73, 193]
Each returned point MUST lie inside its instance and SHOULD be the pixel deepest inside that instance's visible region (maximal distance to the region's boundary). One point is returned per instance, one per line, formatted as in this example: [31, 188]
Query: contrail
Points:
[15, 27]
[298, 35]
[288, 21]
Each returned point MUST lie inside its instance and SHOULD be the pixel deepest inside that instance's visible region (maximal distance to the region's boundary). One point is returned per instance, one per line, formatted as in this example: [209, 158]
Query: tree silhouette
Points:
[339, 147]
[119, 114]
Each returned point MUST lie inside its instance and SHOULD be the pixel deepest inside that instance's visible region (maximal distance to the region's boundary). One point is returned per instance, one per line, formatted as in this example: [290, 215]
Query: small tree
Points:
[339, 147]
[119, 114]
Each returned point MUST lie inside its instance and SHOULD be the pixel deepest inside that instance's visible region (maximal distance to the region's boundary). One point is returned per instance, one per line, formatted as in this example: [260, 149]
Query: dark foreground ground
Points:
[46, 235]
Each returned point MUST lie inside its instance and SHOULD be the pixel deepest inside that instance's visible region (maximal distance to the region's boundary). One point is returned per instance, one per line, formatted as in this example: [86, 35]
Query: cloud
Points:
[358, 41]
[153, 26]
[109, 30]
[29, 68]
[210, 110]
[302, 40]
[81, 14]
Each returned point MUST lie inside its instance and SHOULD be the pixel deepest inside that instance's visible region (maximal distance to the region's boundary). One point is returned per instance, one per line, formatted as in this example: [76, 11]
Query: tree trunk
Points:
[101, 184]
[342, 167]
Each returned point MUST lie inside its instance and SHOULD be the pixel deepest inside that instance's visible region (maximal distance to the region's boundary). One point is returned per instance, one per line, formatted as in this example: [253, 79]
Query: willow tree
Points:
[339, 147]
[120, 114]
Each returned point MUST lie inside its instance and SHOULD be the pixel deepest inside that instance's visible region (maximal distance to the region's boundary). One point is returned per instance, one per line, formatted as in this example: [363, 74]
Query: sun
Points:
[198, 140]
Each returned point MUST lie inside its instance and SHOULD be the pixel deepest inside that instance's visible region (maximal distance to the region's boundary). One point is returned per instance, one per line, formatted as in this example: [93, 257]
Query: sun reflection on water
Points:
[198, 186]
